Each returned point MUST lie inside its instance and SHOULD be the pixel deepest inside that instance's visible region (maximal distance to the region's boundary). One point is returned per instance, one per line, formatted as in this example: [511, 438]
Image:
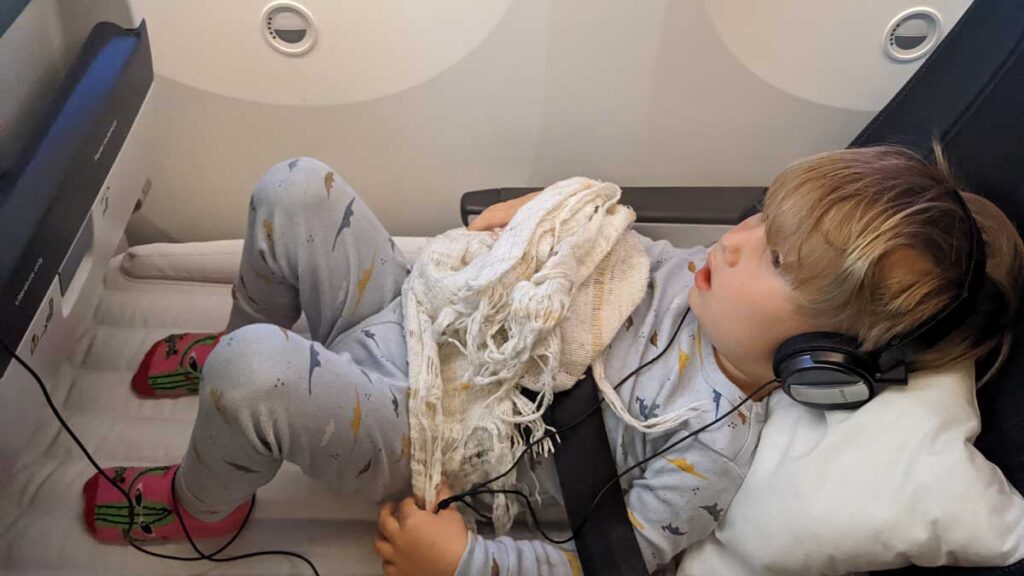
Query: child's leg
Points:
[311, 246]
[269, 395]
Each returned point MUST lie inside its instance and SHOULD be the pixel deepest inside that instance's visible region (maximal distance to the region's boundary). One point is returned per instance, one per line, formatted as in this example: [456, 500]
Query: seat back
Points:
[970, 95]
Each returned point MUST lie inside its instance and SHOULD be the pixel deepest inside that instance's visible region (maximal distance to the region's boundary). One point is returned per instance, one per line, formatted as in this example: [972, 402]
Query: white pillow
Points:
[214, 261]
[896, 482]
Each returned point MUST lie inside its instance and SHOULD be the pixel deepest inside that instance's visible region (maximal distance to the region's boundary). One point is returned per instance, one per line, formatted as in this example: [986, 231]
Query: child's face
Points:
[744, 304]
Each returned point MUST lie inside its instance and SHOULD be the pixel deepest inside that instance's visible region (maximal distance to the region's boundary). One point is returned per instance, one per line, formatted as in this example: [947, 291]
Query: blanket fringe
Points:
[486, 316]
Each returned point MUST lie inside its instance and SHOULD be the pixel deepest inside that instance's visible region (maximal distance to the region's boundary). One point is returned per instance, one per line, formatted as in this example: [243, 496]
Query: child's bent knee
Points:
[244, 362]
[297, 184]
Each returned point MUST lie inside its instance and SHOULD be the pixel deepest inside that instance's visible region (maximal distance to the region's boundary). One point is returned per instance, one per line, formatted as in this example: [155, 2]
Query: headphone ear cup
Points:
[810, 342]
[825, 370]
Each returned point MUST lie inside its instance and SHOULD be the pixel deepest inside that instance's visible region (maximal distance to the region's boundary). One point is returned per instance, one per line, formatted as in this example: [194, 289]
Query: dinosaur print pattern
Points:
[371, 336]
[647, 411]
[713, 510]
[268, 229]
[329, 183]
[632, 520]
[575, 568]
[364, 281]
[346, 222]
[314, 363]
[672, 529]
[394, 402]
[366, 467]
[685, 466]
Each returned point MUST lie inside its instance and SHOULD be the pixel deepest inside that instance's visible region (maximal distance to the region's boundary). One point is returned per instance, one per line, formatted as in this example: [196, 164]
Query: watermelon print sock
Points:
[173, 366]
[155, 518]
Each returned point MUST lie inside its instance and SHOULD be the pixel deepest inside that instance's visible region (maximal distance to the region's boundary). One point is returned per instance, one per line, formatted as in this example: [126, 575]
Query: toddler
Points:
[865, 242]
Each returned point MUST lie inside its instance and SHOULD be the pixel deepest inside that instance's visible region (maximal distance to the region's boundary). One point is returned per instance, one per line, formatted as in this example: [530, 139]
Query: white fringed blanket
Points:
[488, 313]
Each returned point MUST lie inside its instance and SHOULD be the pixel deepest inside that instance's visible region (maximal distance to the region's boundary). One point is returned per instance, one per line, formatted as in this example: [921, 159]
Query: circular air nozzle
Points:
[288, 27]
[913, 34]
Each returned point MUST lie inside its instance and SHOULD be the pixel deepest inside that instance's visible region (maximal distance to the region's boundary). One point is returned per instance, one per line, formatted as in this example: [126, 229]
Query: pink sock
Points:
[155, 514]
[173, 366]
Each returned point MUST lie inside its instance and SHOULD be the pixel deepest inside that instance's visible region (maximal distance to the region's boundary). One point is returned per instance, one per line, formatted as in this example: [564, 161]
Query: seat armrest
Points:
[654, 205]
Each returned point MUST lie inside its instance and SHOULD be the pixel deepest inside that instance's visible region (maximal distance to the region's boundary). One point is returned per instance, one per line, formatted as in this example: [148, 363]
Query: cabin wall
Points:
[414, 103]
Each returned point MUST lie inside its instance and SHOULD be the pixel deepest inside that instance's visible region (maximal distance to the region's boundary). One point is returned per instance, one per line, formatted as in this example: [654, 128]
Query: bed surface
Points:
[41, 528]
[154, 290]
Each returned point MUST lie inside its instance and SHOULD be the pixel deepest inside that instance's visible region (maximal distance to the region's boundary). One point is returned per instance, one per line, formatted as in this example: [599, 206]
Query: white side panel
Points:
[49, 345]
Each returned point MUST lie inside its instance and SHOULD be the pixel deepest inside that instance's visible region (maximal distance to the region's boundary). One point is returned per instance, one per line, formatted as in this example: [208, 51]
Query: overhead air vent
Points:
[913, 34]
[288, 27]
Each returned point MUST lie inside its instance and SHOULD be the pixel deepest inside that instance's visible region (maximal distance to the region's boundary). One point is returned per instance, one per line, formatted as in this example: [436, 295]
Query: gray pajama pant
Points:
[335, 405]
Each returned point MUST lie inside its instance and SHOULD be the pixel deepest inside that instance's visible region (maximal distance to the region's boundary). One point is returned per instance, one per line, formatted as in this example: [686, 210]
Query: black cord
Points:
[597, 499]
[460, 497]
[480, 487]
[174, 499]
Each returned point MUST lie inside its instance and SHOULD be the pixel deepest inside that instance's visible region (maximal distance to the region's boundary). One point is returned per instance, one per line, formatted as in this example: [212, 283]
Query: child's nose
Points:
[730, 253]
[735, 239]
[729, 245]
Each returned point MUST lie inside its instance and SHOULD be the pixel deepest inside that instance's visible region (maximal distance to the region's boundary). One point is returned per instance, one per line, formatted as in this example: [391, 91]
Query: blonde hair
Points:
[872, 244]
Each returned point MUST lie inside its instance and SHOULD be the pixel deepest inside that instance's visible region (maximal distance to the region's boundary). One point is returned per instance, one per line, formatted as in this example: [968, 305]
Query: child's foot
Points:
[107, 512]
[173, 366]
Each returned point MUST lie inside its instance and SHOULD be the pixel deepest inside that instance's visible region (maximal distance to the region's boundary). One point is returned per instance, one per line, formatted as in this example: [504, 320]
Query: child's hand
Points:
[418, 542]
[500, 214]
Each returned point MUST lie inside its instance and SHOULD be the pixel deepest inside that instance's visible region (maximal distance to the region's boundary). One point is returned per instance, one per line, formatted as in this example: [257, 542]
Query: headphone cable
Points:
[480, 488]
[597, 498]
[529, 446]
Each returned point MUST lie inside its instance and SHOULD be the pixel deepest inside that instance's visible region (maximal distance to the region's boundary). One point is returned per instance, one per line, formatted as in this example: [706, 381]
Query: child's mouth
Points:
[702, 279]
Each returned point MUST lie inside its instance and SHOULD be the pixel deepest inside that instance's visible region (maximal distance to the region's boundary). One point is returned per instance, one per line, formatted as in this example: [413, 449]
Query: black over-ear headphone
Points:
[826, 370]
